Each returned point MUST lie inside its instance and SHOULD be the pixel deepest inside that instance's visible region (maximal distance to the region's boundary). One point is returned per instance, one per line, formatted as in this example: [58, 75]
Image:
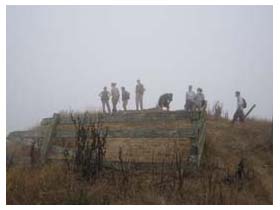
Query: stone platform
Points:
[144, 137]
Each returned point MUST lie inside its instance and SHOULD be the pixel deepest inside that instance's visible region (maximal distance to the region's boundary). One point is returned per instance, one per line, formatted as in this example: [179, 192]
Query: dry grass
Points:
[216, 182]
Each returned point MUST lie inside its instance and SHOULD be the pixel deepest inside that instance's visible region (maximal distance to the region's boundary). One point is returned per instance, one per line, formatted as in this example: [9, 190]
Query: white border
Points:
[3, 101]
[276, 85]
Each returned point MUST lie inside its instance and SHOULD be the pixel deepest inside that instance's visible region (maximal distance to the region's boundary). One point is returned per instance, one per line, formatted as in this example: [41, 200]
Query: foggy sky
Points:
[61, 57]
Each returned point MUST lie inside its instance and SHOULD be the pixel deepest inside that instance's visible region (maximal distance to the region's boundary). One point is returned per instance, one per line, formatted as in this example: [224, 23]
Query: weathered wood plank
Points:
[138, 133]
[132, 116]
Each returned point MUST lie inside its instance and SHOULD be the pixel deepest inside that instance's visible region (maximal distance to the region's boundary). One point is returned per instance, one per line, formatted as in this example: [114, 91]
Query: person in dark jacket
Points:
[165, 100]
[125, 98]
[105, 96]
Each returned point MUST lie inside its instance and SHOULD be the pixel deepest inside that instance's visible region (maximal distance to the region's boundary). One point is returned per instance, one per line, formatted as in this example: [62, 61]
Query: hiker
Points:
[199, 100]
[226, 115]
[125, 98]
[189, 105]
[139, 91]
[105, 96]
[165, 100]
[217, 109]
[115, 96]
[241, 104]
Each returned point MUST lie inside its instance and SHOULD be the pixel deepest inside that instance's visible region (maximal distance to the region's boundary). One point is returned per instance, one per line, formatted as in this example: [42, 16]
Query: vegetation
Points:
[236, 169]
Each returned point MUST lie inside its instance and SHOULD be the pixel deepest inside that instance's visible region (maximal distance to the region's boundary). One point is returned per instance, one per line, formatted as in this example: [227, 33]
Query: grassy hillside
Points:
[236, 169]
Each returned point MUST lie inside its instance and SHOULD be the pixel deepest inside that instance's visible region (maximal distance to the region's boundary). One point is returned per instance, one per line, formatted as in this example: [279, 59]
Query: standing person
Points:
[190, 99]
[241, 104]
[105, 96]
[217, 109]
[115, 96]
[226, 115]
[199, 100]
[125, 98]
[139, 95]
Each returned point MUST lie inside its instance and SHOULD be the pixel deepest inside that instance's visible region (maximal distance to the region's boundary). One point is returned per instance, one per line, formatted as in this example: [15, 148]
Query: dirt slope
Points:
[227, 144]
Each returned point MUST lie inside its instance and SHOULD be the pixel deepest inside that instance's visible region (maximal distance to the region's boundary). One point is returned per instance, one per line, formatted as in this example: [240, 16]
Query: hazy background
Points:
[60, 57]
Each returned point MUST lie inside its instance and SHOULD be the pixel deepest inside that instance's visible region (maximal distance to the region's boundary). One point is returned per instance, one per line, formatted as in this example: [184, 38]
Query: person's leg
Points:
[103, 106]
[125, 105]
[136, 102]
[189, 107]
[141, 102]
[113, 106]
[108, 106]
[241, 116]
[235, 116]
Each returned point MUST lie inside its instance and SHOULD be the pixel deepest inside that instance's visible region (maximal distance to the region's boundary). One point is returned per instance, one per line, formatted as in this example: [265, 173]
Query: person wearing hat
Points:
[190, 95]
[239, 114]
[139, 92]
[125, 98]
[199, 99]
[115, 96]
[105, 96]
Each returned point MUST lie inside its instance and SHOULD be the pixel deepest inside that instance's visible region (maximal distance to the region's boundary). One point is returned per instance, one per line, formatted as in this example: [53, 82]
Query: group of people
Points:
[238, 114]
[114, 94]
[195, 101]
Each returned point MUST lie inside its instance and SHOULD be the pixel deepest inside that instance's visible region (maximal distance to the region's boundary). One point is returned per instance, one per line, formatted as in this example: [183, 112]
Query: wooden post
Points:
[47, 139]
[198, 141]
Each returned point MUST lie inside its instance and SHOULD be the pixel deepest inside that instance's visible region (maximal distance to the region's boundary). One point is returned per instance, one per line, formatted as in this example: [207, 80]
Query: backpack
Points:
[244, 103]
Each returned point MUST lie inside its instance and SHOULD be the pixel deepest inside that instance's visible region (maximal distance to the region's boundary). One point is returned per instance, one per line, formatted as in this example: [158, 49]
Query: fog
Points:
[61, 57]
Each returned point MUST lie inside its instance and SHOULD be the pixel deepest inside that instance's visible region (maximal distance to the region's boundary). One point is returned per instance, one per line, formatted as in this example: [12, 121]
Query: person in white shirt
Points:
[239, 114]
[199, 100]
[139, 92]
[217, 109]
[190, 99]
[115, 96]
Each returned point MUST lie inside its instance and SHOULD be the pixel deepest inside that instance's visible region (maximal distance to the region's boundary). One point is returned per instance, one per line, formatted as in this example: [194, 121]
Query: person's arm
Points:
[143, 88]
